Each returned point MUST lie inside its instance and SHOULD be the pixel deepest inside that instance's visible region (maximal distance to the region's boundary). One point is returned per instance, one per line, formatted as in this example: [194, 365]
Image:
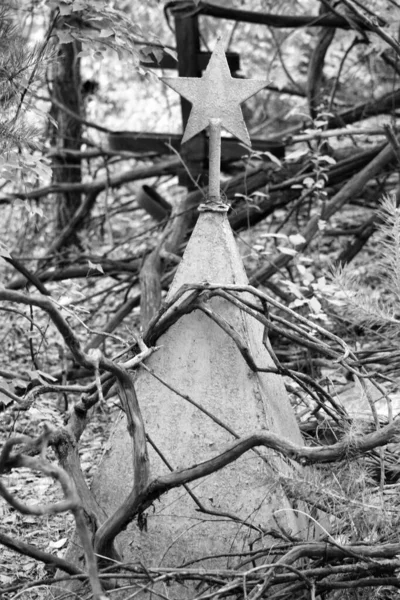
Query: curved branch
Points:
[45, 557]
[71, 340]
[141, 463]
[138, 502]
[11, 461]
[47, 304]
[71, 501]
[273, 20]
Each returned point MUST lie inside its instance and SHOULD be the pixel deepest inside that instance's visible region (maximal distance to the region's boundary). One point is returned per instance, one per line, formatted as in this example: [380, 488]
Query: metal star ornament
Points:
[216, 95]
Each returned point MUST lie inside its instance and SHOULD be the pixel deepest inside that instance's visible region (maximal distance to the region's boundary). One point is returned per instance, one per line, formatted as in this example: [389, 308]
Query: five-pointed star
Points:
[216, 95]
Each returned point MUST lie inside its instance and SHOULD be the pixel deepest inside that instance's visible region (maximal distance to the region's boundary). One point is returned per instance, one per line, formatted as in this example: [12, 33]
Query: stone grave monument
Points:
[205, 390]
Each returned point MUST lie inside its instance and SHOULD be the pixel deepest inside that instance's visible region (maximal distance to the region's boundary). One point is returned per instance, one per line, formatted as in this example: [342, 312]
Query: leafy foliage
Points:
[99, 27]
[21, 67]
[376, 306]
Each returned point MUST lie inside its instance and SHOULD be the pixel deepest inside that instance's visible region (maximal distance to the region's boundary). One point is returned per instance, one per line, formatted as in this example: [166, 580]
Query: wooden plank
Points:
[202, 58]
[273, 19]
[159, 143]
[232, 149]
[132, 141]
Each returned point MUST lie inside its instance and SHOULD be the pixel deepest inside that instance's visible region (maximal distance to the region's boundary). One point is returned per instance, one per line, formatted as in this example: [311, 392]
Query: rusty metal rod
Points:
[214, 160]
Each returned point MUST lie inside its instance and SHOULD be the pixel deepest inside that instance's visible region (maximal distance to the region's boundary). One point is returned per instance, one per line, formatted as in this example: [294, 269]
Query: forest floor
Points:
[51, 533]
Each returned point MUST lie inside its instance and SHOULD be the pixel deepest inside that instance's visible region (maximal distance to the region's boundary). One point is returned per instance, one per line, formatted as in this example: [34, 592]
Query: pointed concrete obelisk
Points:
[200, 360]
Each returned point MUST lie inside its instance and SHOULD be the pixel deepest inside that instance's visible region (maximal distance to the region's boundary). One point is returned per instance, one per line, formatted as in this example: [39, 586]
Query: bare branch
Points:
[162, 168]
[137, 502]
[33, 552]
[349, 190]
[273, 20]
[373, 24]
[71, 499]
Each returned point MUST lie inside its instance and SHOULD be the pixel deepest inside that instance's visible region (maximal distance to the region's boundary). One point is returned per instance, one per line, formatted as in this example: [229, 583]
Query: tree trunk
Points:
[66, 92]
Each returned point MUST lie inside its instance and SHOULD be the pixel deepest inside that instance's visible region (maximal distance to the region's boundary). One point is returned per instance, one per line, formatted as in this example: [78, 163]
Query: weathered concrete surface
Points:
[199, 359]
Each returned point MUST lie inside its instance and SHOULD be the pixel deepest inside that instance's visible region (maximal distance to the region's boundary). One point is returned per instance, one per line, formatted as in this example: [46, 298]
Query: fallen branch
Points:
[71, 501]
[165, 167]
[110, 267]
[384, 104]
[353, 187]
[44, 557]
[136, 503]
[273, 20]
